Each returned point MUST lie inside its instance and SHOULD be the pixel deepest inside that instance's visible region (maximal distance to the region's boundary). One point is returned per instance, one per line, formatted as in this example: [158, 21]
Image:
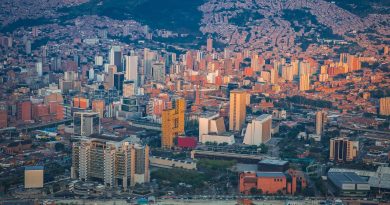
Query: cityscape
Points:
[238, 102]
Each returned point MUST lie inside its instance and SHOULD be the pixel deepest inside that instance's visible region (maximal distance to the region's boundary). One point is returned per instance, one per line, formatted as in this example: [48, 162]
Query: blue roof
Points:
[270, 174]
[33, 168]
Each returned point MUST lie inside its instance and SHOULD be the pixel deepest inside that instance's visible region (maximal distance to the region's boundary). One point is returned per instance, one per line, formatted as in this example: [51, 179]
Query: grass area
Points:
[209, 164]
[173, 177]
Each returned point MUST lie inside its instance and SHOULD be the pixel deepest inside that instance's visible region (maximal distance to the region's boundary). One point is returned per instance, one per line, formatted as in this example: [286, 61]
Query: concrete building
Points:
[118, 162]
[129, 88]
[259, 130]
[271, 165]
[132, 69]
[304, 82]
[209, 46]
[349, 183]
[211, 125]
[172, 122]
[86, 123]
[320, 122]
[115, 57]
[237, 110]
[98, 106]
[342, 149]
[290, 182]
[384, 106]
[33, 177]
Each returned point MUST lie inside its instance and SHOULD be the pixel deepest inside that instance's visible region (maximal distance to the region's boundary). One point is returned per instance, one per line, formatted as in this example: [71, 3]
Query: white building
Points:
[259, 130]
[38, 67]
[212, 129]
[132, 68]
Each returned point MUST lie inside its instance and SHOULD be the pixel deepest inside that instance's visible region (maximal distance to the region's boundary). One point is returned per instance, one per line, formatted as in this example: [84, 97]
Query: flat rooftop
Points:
[273, 162]
[339, 178]
[270, 174]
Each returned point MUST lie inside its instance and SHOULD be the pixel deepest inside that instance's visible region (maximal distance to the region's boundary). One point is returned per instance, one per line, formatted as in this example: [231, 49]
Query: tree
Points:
[59, 147]
[264, 148]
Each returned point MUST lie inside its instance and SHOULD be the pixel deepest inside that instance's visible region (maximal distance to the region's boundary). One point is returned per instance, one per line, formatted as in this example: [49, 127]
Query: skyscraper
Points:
[119, 78]
[38, 68]
[342, 149]
[320, 121]
[116, 57]
[173, 122]
[259, 130]
[158, 72]
[116, 163]
[132, 68]
[304, 82]
[237, 110]
[86, 123]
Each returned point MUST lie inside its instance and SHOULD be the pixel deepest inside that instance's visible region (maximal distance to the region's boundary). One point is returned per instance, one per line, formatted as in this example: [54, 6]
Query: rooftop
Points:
[340, 178]
[270, 174]
[273, 162]
[33, 168]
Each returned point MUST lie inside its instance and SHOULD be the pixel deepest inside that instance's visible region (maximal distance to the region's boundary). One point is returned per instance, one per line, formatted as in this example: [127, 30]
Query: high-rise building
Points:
[116, 57]
[98, 106]
[3, 115]
[158, 72]
[304, 82]
[259, 130]
[209, 44]
[86, 123]
[237, 109]
[149, 56]
[343, 150]
[384, 106]
[128, 88]
[119, 78]
[33, 177]
[24, 108]
[173, 122]
[353, 63]
[116, 163]
[132, 68]
[320, 122]
[38, 68]
[99, 60]
[28, 47]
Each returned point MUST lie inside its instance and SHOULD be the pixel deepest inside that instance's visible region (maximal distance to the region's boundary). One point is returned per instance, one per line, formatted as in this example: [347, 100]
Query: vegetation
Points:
[209, 164]
[175, 176]
[315, 103]
[176, 15]
[243, 17]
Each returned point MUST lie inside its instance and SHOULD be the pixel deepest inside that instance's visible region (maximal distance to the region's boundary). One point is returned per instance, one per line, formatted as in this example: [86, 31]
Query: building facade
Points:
[259, 130]
[173, 122]
[116, 164]
[237, 110]
[343, 150]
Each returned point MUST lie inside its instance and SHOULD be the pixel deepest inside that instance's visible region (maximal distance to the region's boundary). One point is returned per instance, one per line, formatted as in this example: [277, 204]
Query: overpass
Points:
[386, 133]
[43, 126]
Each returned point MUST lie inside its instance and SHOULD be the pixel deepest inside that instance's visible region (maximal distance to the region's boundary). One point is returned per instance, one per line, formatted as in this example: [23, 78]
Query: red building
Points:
[24, 110]
[3, 115]
[290, 182]
[187, 142]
